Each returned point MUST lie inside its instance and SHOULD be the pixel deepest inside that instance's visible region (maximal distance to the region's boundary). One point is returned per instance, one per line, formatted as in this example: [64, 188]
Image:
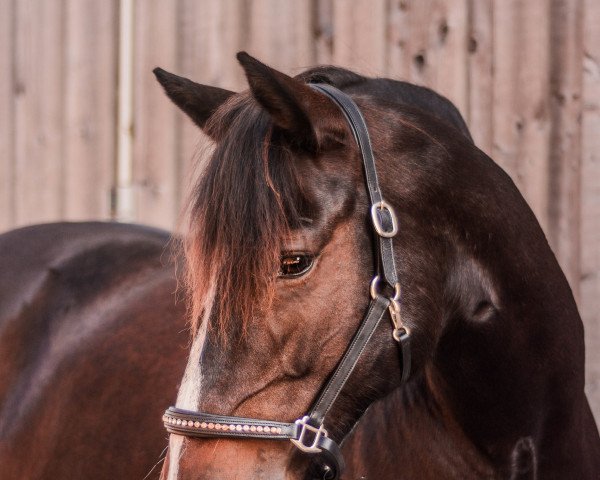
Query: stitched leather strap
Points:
[334, 386]
[386, 265]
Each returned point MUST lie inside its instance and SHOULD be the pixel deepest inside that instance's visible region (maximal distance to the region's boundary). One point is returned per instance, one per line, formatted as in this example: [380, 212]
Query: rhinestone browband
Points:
[190, 423]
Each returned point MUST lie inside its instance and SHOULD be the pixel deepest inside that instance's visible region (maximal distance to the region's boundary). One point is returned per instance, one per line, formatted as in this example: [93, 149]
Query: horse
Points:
[93, 344]
[279, 262]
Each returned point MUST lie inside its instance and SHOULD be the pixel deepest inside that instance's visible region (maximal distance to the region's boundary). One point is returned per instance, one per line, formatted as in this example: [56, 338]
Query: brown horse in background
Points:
[92, 345]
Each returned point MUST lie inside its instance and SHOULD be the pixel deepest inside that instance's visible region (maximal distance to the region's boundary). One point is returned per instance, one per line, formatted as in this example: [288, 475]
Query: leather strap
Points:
[334, 386]
[308, 433]
[386, 265]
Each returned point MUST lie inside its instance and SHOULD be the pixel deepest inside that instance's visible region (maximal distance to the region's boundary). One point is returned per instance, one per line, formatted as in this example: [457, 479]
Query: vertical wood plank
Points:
[210, 33]
[38, 111]
[360, 35]
[90, 109]
[590, 201]
[155, 173]
[521, 113]
[565, 140]
[281, 34]
[7, 127]
[428, 46]
[481, 73]
[322, 11]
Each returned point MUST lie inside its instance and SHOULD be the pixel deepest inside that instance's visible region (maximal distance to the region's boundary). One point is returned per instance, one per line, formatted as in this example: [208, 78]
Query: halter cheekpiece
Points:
[308, 433]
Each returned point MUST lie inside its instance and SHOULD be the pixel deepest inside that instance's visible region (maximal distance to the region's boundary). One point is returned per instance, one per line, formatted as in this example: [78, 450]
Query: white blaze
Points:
[188, 397]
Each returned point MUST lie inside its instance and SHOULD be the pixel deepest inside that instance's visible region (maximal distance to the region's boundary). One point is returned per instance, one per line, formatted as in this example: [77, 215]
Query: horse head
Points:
[280, 259]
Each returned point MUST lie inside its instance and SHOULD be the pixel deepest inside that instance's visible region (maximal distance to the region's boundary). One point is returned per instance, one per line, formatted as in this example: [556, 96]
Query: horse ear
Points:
[305, 117]
[199, 102]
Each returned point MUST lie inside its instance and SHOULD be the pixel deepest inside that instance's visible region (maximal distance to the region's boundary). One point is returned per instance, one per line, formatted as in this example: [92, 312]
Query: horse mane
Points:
[242, 209]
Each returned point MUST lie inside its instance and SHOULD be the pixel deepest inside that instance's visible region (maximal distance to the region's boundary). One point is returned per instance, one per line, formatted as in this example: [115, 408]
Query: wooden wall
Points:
[524, 73]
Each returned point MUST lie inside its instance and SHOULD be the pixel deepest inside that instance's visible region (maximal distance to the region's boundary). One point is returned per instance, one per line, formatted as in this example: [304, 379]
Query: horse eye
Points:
[295, 265]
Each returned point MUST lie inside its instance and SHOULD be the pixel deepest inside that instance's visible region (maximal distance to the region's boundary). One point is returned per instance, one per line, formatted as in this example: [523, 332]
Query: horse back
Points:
[93, 344]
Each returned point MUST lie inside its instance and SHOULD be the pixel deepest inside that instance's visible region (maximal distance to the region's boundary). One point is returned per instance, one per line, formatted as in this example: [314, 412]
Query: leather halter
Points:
[308, 433]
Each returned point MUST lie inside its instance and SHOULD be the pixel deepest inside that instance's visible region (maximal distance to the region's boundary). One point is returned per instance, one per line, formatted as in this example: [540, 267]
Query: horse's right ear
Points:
[199, 102]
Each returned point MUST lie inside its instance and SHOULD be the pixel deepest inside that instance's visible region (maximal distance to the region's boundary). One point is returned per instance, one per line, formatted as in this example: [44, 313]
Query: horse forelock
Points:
[242, 209]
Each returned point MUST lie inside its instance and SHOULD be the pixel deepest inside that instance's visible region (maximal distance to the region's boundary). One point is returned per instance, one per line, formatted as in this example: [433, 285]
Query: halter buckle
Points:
[381, 231]
[317, 431]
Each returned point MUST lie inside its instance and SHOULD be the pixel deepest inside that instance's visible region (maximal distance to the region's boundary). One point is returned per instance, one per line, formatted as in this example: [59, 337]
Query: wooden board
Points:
[428, 46]
[525, 74]
[480, 112]
[590, 201]
[155, 170]
[565, 139]
[38, 108]
[7, 126]
[360, 35]
[521, 110]
[289, 47]
[90, 107]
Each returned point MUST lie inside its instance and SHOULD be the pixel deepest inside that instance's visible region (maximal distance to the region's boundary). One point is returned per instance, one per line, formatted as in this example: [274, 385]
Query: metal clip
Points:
[375, 290]
[317, 431]
[382, 232]
[399, 328]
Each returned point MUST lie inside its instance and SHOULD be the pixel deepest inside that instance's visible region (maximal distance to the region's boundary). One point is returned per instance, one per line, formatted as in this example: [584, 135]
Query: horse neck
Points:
[513, 379]
[408, 434]
[502, 394]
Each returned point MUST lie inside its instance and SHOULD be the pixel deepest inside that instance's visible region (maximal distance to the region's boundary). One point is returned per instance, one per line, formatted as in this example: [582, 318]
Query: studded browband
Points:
[308, 432]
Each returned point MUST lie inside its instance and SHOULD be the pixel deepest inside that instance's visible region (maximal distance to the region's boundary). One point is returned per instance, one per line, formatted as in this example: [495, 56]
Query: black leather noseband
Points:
[308, 433]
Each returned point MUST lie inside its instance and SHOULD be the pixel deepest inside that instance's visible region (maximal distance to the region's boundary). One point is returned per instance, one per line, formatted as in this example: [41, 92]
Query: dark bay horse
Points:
[92, 346]
[280, 256]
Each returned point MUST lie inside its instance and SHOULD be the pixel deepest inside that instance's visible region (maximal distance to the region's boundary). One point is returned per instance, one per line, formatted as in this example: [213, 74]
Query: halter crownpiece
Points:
[308, 433]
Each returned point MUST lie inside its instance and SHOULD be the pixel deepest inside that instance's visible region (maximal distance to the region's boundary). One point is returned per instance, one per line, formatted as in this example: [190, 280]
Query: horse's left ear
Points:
[306, 119]
[198, 101]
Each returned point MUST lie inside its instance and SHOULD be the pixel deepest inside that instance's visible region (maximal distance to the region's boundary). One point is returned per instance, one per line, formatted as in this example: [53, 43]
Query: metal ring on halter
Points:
[382, 232]
[398, 333]
[374, 289]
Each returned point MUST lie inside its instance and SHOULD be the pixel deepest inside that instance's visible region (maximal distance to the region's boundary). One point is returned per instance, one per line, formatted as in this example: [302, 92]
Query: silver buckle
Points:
[377, 222]
[318, 432]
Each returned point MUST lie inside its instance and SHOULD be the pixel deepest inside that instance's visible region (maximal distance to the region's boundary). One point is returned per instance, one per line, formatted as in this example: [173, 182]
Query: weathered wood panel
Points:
[566, 45]
[38, 109]
[590, 200]
[428, 46]
[7, 127]
[155, 167]
[525, 75]
[480, 80]
[322, 24]
[90, 64]
[360, 34]
[283, 33]
[521, 112]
